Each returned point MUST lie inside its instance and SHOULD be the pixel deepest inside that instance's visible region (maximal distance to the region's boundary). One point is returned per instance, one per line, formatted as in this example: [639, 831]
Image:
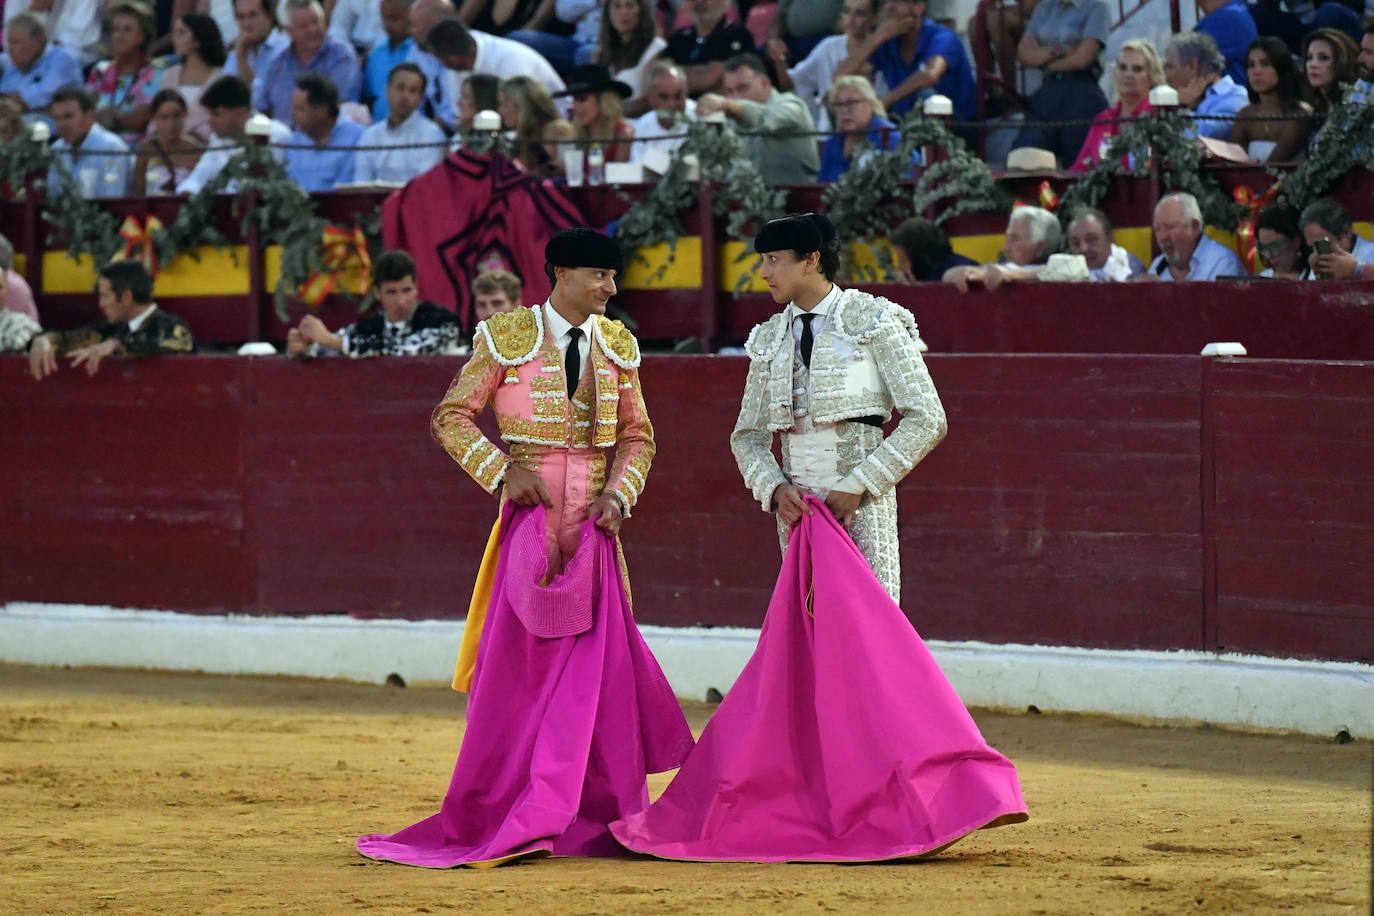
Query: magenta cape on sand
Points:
[842, 740]
[560, 732]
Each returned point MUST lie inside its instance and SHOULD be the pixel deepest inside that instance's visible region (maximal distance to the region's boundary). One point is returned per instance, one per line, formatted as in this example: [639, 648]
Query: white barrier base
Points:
[1315, 697]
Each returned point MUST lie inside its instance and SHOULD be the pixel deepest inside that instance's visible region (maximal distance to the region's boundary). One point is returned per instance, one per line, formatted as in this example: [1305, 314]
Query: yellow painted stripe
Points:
[738, 261]
[683, 272]
[1137, 240]
[982, 248]
[215, 274]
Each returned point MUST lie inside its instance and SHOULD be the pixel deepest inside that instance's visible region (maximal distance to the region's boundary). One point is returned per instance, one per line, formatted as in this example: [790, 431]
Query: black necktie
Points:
[572, 364]
[806, 339]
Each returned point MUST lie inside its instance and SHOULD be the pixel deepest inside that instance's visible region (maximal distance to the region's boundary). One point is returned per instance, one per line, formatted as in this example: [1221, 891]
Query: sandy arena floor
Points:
[135, 792]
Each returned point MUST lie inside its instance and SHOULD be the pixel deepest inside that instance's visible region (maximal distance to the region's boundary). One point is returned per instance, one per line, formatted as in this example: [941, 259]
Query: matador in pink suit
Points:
[568, 710]
[842, 740]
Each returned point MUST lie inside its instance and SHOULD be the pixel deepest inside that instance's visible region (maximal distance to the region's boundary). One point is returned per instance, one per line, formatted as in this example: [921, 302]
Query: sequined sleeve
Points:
[66, 341]
[454, 424]
[752, 440]
[634, 443]
[898, 356]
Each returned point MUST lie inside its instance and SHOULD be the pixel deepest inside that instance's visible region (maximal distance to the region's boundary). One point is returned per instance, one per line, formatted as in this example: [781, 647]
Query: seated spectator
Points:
[169, 154]
[781, 142]
[863, 125]
[480, 92]
[1138, 70]
[196, 40]
[11, 119]
[558, 135]
[419, 141]
[1063, 40]
[1363, 90]
[917, 58]
[399, 327]
[596, 110]
[229, 102]
[566, 52]
[702, 48]
[1195, 68]
[1005, 23]
[1033, 234]
[98, 160]
[358, 23]
[1284, 120]
[258, 38]
[1231, 26]
[501, 17]
[1186, 252]
[312, 50]
[923, 253]
[1280, 242]
[33, 68]
[462, 51]
[425, 15]
[329, 162]
[495, 291]
[123, 86]
[71, 24]
[798, 26]
[664, 126]
[18, 295]
[811, 78]
[1330, 67]
[527, 109]
[1090, 234]
[133, 326]
[629, 40]
[1292, 19]
[1337, 252]
[392, 48]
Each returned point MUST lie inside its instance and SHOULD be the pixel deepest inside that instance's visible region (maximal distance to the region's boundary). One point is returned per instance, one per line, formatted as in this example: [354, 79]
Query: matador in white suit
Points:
[826, 373]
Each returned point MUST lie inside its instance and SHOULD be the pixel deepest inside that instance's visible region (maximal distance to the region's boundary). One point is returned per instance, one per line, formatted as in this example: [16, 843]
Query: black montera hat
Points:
[803, 232]
[581, 247]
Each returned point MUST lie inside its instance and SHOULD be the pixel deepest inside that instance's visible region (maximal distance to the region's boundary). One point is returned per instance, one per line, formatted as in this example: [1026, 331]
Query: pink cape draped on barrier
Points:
[841, 741]
[560, 732]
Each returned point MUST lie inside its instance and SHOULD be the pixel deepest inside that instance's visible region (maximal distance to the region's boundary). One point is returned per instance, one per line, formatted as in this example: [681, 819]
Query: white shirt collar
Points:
[136, 323]
[560, 326]
[824, 307]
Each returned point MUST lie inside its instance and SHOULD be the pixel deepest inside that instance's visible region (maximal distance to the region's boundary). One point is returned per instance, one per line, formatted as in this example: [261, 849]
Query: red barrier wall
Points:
[1107, 501]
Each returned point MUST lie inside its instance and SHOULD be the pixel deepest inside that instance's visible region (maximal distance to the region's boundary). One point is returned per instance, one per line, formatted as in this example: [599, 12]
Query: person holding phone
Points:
[1337, 252]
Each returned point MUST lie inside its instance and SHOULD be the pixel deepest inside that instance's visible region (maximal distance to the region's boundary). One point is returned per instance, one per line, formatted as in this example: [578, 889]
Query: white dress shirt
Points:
[217, 156]
[558, 329]
[399, 165]
[358, 22]
[136, 323]
[651, 134]
[503, 58]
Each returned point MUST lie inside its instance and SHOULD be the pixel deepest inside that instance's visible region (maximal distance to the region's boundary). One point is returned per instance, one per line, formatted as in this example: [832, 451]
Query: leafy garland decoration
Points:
[1343, 141]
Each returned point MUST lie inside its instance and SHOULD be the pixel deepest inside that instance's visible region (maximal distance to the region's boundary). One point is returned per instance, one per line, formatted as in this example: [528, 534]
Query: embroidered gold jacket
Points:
[517, 368]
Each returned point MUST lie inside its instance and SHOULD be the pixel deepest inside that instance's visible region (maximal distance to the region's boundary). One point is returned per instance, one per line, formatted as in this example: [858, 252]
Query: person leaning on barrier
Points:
[1196, 70]
[1325, 224]
[1186, 252]
[418, 143]
[494, 292]
[1033, 234]
[401, 326]
[923, 253]
[33, 67]
[1090, 234]
[133, 326]
[781, 139]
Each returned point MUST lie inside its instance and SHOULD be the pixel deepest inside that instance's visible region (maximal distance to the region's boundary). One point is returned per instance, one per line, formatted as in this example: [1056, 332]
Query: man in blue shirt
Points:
[1230, 24]
[1363, 90]
[1193, 65]
[330, 160]
[1186, 252]
[918, 58]
[99, 161]
[33, 67]
[391, 49]
[312, 50]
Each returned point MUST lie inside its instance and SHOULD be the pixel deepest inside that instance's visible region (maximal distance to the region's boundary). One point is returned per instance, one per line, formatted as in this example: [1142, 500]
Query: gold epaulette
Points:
[618, 343]
[514, 337]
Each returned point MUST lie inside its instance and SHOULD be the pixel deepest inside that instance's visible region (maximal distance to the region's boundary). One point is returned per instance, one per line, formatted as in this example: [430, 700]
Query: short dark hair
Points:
[208, 37]
[392, 266]
[1326, 213]
[267, 6]
[320, 92]
[75, 94]
[167, 95]
[925, 245]
[449, 36]
[227, 92]
[406, 66]
[129, 276]
[1096, 214]
[747, 59]
[1283, 220]
[486, 91]
[1368, 25]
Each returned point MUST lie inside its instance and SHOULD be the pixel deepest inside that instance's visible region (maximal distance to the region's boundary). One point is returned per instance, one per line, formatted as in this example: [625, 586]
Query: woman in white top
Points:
[166, 158]
[811, 78]
[197, 41]
[629, 41]
[1275, 125]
